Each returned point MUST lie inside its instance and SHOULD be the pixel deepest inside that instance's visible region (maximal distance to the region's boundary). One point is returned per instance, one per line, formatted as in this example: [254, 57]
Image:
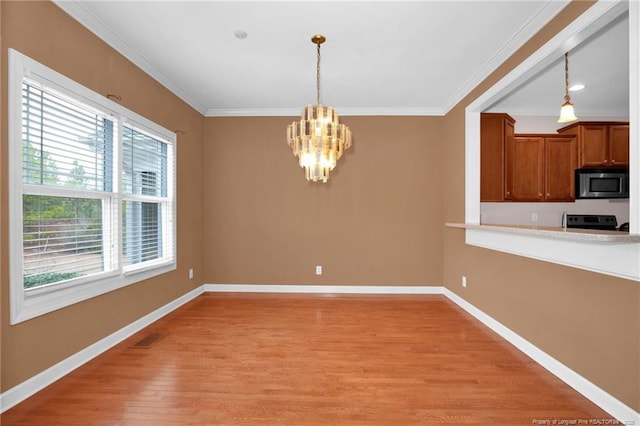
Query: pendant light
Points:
[567, 113]
[318, 139]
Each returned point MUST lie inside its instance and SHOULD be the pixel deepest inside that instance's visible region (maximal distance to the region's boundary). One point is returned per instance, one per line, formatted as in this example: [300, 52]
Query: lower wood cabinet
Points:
[541, 167]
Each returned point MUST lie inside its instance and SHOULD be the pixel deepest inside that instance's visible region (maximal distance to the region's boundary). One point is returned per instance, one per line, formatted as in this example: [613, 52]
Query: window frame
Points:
[30, 303]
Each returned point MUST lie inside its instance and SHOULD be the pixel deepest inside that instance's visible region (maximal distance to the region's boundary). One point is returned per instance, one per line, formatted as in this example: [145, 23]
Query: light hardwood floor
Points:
[305, 359]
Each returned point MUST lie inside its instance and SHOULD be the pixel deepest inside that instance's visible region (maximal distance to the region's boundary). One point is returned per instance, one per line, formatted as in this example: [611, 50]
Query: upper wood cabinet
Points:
[560, 162]
[619, 145]
[543, 167]
[600, 144]
[527, 164]
[496, 135]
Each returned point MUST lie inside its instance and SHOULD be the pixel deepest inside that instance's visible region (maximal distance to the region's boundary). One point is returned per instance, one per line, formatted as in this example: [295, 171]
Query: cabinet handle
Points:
[613, 161]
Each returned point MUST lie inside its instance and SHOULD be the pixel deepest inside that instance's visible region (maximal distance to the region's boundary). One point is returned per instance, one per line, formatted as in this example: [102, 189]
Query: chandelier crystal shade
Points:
[567, 114]
[318, 139]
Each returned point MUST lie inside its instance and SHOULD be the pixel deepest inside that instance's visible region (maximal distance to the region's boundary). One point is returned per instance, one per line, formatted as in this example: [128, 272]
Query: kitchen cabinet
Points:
[542, 167]
[496, 137]
[619, 145]
[527, 163]
[560, 161]
[600, 143]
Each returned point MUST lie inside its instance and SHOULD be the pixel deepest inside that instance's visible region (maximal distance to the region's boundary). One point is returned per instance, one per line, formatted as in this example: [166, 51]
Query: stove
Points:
[604, 222]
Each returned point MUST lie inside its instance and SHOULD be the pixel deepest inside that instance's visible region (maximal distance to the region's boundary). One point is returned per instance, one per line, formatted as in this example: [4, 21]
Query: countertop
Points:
[586, 235]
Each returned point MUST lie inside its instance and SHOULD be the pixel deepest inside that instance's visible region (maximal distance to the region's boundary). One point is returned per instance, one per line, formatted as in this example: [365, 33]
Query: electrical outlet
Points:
[190, 273]
[464, 281]
[534, 217]
[318, 270]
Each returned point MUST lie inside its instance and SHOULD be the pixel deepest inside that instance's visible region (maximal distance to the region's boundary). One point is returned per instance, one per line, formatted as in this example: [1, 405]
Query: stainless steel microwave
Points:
[602, 183]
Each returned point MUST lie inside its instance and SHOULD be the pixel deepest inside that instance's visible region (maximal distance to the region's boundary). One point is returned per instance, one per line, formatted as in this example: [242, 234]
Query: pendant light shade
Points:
[567, 114]
[318, 139]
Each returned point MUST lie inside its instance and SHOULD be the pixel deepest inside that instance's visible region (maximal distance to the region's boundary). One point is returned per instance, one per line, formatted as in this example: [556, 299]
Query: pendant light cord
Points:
[566, 77]
[318, 77]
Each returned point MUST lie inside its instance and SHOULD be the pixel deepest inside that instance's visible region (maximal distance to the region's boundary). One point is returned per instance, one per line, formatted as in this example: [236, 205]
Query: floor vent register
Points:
[148, 341]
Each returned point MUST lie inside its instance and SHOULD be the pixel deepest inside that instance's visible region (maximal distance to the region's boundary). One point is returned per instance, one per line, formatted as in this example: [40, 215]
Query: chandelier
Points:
[318, 139]
[567, 113]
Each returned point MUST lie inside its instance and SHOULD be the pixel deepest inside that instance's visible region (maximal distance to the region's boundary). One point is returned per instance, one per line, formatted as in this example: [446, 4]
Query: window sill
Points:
[30, 304]
[607, 252]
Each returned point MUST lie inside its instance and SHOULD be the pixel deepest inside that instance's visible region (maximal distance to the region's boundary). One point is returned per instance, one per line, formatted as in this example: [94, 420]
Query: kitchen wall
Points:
[549, 214]
[378, 221]
[43, 32]
[589, 322]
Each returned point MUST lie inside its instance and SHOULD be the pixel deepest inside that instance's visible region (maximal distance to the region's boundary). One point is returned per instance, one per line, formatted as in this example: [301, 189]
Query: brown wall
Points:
[43, 32]
[376, 222]
[590, 322]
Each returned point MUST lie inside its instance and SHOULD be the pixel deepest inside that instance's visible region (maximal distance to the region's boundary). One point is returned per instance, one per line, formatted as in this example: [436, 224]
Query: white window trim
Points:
[25, 305]
[620, 260]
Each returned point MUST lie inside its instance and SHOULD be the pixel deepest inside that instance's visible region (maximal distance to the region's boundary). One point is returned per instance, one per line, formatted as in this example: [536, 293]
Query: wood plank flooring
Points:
[309, 359]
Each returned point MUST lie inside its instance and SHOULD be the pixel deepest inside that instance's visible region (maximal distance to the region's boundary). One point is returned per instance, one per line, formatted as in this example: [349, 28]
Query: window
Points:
[91, 192]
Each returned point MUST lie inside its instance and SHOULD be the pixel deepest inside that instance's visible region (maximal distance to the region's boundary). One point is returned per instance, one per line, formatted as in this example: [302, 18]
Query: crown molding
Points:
[80, 13]
[582, 112]
[538, 20]
[346, 111]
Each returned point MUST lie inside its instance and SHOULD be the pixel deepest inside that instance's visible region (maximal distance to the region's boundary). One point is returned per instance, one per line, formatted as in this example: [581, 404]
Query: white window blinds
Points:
[145, 203]
[68, 146]
[64, 143]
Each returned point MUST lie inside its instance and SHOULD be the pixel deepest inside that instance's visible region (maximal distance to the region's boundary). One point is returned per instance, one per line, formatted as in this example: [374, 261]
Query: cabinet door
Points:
[619, 146]
[594, 150]
[527, 162]
[560, 163]
[509, 138]
[494, 128]
[491, 158]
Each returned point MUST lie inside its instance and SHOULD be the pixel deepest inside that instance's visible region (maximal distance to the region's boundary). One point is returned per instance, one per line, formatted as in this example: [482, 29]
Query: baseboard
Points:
[321, 289]
[24, 390]
[602, 399]
[608, 403]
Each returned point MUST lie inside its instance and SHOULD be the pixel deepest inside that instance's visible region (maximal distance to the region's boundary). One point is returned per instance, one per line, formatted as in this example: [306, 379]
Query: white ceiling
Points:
[601, 62]
[395, 57]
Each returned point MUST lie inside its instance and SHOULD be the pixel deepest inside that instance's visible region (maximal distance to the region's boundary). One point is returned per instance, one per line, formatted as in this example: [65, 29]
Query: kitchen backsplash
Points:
[549, 214]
